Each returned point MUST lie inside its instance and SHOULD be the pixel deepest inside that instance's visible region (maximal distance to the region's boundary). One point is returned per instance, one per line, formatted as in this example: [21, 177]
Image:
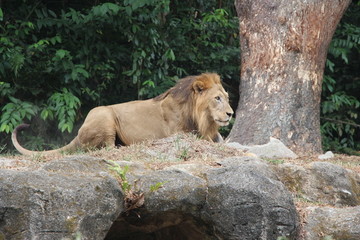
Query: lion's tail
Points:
[72, 146]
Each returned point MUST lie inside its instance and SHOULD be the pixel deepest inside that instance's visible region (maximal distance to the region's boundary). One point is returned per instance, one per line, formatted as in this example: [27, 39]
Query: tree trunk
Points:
[283, 51]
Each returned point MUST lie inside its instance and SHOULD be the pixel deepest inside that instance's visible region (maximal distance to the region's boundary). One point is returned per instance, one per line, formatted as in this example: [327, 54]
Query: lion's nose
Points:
[229, 114]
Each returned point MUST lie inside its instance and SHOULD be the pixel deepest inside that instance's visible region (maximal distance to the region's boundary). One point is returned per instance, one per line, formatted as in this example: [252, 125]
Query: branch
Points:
[340, 121]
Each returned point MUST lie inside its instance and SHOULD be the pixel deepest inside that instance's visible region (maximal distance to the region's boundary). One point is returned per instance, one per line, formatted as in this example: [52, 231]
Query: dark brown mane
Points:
[181, 91]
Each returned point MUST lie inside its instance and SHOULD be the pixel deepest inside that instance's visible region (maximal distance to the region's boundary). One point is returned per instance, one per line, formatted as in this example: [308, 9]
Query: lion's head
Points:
[205, 101]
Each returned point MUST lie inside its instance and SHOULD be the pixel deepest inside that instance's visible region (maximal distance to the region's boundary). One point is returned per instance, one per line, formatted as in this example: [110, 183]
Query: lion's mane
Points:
[187, 96]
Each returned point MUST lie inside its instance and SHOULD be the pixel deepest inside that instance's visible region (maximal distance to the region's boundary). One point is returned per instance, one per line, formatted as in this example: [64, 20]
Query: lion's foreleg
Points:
[218, 138]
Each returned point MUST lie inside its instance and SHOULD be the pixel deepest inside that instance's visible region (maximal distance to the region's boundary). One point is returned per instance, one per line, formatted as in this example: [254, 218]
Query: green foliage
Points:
[14, 112]
[157, 186]
[182, 149]
[121, 173]
[63, 106]
[275, 161]
[340, 96]
[53, 54]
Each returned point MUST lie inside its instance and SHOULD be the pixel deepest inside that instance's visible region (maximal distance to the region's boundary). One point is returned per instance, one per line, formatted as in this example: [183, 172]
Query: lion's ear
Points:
[202, 83]
[198, 86]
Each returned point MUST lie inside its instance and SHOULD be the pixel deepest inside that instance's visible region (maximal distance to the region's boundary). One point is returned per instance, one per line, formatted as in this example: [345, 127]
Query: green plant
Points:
[132, 199]
[275, 161]
[14, 112]
[157, 186]
[63, 106]
[121, 173]
[182, 149]
[78, 236]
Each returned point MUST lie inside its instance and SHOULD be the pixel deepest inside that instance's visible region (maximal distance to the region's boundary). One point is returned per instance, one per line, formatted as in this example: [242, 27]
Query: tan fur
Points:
[195, 104]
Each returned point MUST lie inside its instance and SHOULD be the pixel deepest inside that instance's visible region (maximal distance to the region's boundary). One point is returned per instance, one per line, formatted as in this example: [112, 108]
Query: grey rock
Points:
[194, 168]
[236, 145]
[249, 164]
[243, 200]
[332, 223]
[273, 149]
[240, 198]
[232, 201]
[243, 203]
[65, 198]
[14, 164]
[327, 155]
[179, 191]
[321, 182]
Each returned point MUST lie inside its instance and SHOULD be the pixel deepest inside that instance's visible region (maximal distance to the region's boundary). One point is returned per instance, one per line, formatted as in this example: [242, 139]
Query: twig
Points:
[340, 121]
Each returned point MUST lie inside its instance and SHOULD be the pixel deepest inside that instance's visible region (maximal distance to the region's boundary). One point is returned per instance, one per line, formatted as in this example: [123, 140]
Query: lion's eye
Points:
[217, 98]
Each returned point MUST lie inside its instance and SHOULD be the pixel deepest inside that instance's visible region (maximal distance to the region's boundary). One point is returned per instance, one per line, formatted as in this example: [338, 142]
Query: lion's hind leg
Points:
[99, 129]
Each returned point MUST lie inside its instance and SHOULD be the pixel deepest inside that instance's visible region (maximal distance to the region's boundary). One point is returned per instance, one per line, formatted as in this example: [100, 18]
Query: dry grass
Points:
[177, 149]
[157, 154]
[346, 161]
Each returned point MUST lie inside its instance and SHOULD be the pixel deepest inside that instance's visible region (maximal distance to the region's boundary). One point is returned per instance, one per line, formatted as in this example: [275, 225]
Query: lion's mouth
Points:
[222, 123]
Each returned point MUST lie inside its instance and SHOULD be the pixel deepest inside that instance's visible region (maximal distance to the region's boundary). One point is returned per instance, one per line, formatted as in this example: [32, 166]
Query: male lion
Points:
[195, 104]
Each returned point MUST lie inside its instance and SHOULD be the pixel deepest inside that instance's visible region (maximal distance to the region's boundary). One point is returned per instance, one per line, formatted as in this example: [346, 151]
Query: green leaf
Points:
[61, 53]
[170, 54]
[53, 14]
[83, 72]
[1, 15]
[3, 127]
[44, 114]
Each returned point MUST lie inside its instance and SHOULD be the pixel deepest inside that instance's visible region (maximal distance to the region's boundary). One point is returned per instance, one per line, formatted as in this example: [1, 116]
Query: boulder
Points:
[273, 149]
[327, 155]
[202, 202]
[321, 182]
[63, 199]
[257, 213]
[79, 197]
[332, 223]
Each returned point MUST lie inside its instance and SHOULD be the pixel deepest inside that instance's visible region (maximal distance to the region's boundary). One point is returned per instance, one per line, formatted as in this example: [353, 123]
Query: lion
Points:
[196, 104]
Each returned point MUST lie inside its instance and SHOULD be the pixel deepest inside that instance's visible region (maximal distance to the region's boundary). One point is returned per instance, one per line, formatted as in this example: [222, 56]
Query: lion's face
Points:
[219, 107]
[214, 103]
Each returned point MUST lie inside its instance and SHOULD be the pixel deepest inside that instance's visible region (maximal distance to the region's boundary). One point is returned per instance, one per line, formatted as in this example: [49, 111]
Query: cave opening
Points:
[162, 226]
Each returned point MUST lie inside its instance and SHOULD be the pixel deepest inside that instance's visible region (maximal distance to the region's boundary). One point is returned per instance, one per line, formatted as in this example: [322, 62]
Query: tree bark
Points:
[284, 45]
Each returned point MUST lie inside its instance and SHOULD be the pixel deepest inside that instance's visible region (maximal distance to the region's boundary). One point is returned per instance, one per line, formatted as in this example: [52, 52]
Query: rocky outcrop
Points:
[240, 198]
[62, 199]
[332, 223]
[333, 192]
[224, 195]
[321, 182]
[273, 149]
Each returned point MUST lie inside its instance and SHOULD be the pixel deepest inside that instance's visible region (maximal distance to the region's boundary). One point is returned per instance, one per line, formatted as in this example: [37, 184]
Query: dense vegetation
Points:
[61, 58]
[340, 106]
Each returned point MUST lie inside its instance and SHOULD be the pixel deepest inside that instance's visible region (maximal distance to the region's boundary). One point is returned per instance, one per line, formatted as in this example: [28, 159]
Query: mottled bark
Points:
[283, 51]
